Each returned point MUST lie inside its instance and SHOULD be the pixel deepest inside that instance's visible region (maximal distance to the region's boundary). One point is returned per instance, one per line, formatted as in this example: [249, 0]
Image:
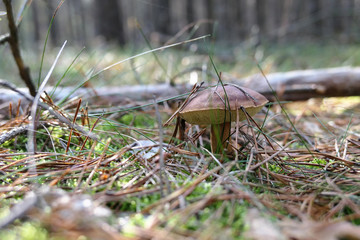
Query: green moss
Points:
[25, 231]
[138, 120]
[319, 161]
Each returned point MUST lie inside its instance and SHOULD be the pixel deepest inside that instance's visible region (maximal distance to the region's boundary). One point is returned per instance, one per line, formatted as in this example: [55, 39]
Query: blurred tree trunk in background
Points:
[129, 10]
[161, 16]
[54, 31]
[227, 14]
[234, 20]
[36, 22]
[248, 17]
[271, 10]
[312, 12]
[220, 14]
[356, 20]
[178, 15]
[346, 18]
[201, 15]
[108, 20]
[286, 19]
[327, 19]
[78, 20]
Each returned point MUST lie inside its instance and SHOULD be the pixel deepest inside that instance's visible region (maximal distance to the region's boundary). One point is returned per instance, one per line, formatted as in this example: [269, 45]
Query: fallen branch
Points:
[13, 133]
[4, 38]
[305, 84]
[292, 86]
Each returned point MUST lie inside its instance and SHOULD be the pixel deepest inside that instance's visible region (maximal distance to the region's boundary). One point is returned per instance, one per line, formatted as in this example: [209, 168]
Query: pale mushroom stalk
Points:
[208, 107]
[219, 135]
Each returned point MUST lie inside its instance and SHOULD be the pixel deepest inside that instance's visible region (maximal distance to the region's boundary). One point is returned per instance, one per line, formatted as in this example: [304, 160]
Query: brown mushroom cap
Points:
[208, 106]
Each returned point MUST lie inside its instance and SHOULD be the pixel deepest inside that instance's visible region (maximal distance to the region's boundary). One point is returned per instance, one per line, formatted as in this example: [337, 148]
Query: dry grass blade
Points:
[71, 130]
[180, 191]
[150, 51]
[98, 163]
[272, 156]
[31, 133]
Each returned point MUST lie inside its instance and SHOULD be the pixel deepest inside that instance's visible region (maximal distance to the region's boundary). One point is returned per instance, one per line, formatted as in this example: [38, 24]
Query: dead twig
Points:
[14, 45]
[13, 133]
[4, 38]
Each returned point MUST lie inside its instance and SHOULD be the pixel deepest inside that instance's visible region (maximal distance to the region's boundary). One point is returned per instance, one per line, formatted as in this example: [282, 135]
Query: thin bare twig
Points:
[5, 37]
[14, 45]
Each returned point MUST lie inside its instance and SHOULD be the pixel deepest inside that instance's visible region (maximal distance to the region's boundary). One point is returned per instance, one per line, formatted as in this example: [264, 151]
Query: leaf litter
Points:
[115, 187]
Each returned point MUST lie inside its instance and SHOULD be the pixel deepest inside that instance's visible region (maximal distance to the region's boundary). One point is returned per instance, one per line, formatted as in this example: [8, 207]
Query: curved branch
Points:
[14, 45]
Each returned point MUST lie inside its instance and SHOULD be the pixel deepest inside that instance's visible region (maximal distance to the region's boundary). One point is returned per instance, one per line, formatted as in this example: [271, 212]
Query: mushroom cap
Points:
[208, 106]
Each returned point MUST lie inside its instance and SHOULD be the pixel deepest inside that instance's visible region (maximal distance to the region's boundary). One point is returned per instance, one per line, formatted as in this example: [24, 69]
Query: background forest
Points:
[241, 29]
[230, 21]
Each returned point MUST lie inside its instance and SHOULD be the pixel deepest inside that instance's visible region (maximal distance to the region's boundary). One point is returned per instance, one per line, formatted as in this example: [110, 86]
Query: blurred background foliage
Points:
[282, 34]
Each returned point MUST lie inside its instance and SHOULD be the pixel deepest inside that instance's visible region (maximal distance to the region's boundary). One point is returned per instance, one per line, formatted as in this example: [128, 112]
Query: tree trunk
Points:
[249, 20]
[305, 84]
[161, 16]
[54, 27]
[327, 19]
[286, 20]
[178, 15]
[108, 20]
[200, 9]
[271, 14]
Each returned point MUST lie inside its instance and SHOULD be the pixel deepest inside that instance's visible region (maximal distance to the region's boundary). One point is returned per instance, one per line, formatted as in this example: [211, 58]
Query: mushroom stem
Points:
[220, 133]
[182, 126]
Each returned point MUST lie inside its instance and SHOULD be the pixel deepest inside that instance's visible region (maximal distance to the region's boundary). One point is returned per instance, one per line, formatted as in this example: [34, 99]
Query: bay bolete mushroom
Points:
[218, 106]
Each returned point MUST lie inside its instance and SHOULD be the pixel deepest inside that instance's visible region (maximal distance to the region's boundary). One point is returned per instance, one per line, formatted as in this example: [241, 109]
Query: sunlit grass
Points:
[238, 61]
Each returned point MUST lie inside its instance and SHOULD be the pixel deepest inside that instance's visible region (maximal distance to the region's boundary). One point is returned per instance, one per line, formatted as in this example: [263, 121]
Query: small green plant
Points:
[26, 231]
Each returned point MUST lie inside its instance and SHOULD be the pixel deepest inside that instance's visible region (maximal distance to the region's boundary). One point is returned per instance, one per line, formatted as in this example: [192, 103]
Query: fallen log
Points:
[291, 86]
[305, 84]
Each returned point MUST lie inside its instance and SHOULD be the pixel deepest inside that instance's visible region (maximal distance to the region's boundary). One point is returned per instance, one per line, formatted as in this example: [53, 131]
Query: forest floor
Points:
[293, 175]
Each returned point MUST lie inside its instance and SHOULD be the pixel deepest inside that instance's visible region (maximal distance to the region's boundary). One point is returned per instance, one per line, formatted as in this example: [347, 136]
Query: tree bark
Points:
[305, 84]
